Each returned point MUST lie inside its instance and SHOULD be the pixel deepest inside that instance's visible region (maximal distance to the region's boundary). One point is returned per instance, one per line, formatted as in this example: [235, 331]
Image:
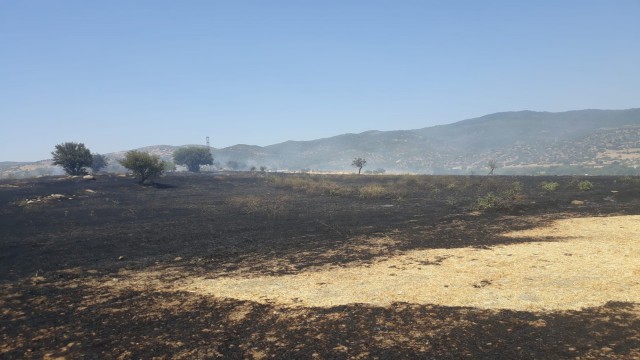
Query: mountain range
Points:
[515, 140]
[519, 142]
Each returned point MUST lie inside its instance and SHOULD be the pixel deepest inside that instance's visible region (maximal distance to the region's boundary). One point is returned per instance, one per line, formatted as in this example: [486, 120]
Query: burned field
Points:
[316, 266]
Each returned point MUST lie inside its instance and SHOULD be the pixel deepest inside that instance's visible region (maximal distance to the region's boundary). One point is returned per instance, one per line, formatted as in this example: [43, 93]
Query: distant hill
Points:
[9, 164]
[516, 140]
[598, 141]
[29, 169]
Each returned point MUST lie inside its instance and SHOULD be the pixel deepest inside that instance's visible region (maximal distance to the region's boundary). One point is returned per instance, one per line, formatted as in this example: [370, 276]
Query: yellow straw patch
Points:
[582, 262]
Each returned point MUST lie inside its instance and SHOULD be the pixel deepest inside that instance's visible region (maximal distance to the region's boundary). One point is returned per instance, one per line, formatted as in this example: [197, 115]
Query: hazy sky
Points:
[117, 75]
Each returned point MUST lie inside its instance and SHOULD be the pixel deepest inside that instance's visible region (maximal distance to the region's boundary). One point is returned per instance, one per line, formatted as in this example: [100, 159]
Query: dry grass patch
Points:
[320, 185]
[586, 262]
[310, 185]
[372, 191]
[251, 204]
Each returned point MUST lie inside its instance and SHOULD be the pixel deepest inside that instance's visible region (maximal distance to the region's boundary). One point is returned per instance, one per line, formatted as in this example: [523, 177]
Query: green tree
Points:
[193, 157]
[73, 157]
[359, 163]
[98, 162]
[169, 166]
[144, 165]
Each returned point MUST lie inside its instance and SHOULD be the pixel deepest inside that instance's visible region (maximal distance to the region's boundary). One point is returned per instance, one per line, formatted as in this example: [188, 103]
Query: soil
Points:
[241, 265]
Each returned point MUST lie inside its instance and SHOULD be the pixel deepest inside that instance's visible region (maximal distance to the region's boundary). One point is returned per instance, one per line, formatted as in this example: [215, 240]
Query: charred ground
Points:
[53, 250]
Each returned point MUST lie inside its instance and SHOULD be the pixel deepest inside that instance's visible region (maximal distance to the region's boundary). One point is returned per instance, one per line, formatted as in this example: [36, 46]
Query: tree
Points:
[143, 164]
[492, 165]
[73, 157]
[98, 162]
[193, 157]
[169, 166]
[359, 163]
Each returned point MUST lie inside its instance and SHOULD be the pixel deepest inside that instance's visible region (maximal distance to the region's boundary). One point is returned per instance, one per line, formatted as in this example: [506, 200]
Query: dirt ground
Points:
[330, 267]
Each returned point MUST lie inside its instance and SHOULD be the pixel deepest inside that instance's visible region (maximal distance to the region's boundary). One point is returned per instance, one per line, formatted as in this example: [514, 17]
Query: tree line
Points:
[75, 158]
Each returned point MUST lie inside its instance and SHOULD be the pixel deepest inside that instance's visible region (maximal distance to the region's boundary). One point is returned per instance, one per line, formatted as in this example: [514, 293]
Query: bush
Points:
[513, 192]
[142, 164]
[192, 157]
[73, 157]
[517, 187]
[549, 186]
[585, 185]
[489, 201]
[505, 199]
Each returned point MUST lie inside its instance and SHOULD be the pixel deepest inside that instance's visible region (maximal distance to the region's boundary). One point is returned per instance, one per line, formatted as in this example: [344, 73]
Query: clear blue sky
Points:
[117, 75]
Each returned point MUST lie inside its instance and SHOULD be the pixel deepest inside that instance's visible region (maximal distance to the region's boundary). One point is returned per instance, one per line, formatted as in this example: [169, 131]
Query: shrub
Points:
[585, 185]
[144, 165]
[513, 192]
[73, 157]
[505, 199]
[517, 187]
[549, 186]
[486, 202]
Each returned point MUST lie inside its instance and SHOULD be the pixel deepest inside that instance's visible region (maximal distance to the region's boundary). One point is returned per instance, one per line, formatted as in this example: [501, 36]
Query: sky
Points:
[123, 74]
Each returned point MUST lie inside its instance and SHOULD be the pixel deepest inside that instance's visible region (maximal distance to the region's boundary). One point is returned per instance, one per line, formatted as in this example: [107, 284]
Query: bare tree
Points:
[359, 163]
[492, 165]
